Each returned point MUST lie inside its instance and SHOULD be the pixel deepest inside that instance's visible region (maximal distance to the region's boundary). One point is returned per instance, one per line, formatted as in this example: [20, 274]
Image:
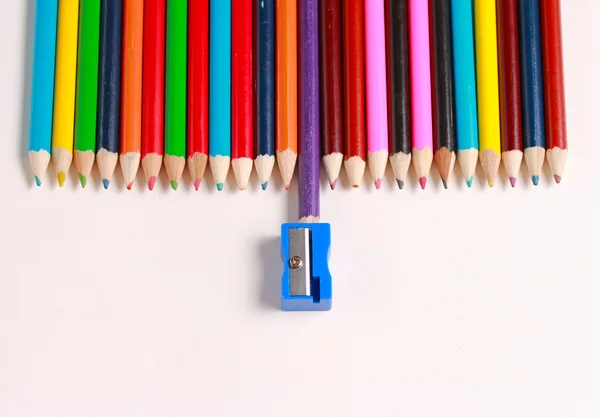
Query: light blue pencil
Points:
[466, 87]
[42, 90]
[220, 90]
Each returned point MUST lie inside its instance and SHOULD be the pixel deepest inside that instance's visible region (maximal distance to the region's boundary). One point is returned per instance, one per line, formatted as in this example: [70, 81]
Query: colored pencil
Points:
[286, 89]
[532, 87]
[443, 99]
[42, 89]
[131, 90]
[197, 95]
[467, 135]
[354, 90]
[308, 169]
[510, 88]
[176, 91]
[398, 87]
[220, 90]
[554, 89]
[242, 141]
[330, 60]
[65, 82]
[153, 92]
[264, 96]
[87, 88]
[377, 134]
[488, 105]
[421, 111]
[109, 89]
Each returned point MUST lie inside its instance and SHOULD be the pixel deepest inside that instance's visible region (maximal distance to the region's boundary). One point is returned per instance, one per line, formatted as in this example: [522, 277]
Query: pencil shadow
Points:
[291, 197]
[270, 260]
[26, 92]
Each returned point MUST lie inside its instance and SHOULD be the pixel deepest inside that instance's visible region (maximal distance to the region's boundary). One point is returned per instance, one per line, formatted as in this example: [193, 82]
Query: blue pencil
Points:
[220, 90]
[466, 87]
[109, 89]
[265, 90]
[532, 87]
[42, 90]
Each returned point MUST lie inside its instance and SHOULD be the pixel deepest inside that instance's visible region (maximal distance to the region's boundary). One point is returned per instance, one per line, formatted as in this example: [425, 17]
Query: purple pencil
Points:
[308, 107]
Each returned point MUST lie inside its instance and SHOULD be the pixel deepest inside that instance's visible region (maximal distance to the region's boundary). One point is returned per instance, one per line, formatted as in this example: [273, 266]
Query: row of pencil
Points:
[413, 80]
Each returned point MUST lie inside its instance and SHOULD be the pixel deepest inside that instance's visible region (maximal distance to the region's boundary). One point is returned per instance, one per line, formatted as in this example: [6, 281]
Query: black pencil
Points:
[398, 87]
[444, 115]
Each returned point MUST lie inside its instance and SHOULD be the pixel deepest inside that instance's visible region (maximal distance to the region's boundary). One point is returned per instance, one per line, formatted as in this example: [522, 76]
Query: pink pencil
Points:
[377, 134]
[420, 82]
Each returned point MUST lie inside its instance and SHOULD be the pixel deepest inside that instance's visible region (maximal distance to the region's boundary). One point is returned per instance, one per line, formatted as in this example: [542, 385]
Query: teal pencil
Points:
[466, 87]
[42, 90]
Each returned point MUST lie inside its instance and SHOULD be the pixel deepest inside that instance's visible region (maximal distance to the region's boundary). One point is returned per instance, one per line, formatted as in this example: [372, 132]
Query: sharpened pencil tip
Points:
[470, 182]
[378, 183]
[106, 183]
[445, 184]
[197, 184]
[513, 181]
[220, 186]
[333, 184]
[61, 179]
[264, 185]
[130, 186]
[355, 186]
[174, 185]
[82, 180]
[557, 178]
[400, 184]
[151, 183]
[490, 183]
[535, 179]
[423, 182]
[38, 181]
[287, 187]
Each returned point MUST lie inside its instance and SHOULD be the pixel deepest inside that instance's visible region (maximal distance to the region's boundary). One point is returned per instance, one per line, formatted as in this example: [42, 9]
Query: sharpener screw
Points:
[296, 262]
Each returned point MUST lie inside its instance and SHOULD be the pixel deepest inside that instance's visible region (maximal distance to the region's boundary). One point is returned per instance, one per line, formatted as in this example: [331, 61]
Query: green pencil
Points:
[87, 88]
[175, 105]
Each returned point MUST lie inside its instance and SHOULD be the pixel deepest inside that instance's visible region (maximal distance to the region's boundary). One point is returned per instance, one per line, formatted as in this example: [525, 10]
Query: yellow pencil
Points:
[487, 88]
[64, 87]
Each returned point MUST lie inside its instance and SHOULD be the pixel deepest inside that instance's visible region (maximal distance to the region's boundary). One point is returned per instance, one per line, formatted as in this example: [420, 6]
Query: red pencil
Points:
[331, 88]
[510, 88]
[554, 87]
[153, 89]
[242, 152]
[354, 90]
[197, 110]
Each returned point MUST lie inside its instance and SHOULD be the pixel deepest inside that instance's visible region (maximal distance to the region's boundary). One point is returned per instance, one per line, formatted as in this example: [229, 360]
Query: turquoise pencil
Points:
[220, 90]
[42, 90]
[466, 87]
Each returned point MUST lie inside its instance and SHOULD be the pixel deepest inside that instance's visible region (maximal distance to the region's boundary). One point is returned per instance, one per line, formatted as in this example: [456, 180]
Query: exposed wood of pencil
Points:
[39, 161]
[84, 162]
[490, 162]
[219, 166]
[264, 167]
[468, 163]
[422, 160]
[174, 166]
[107, 162]
[151, 164]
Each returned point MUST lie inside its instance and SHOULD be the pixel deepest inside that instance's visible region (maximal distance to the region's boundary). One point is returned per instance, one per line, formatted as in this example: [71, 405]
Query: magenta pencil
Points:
[377, 128]
[420, 86]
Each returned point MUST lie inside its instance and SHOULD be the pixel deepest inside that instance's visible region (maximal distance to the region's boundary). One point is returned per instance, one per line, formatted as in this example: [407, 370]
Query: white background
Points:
[481, 302]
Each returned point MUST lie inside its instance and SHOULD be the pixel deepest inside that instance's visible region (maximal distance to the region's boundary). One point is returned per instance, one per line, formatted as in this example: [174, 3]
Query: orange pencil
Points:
[131, 89]
[286, 89]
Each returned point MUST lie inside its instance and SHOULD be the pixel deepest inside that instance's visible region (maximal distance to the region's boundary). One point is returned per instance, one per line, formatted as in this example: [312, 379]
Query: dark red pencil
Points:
[554, 87]
[510, 88]
[331, 88]
[354, 90]
[242, 146]
[197, 93]
[153, 89]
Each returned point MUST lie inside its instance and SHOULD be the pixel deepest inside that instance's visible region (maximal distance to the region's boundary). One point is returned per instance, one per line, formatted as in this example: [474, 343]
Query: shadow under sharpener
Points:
[306, 280]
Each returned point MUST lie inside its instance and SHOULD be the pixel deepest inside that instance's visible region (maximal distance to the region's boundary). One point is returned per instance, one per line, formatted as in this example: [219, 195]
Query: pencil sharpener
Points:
[306, 280]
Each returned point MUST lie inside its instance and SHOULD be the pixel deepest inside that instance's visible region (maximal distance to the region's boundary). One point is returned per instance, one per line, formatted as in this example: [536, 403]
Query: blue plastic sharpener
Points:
[306, 281]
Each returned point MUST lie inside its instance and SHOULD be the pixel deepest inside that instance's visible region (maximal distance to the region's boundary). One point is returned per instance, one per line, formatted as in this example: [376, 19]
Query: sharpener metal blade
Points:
[299, 261]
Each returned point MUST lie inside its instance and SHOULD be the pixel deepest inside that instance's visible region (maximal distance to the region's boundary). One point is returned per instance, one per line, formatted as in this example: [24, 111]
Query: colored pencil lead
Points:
[82, 180]
[400, 184]
[535, 179]
[39, 182]
[264, 185]
[174, 185]
[130, 186]
[378, 183]
[105, 183]
[61, 178]
[470, 182]
[513, 181]
[151, 183]
[423, 182]
[333, 184]
[220, 186]
[197, 183]
[558, 179]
